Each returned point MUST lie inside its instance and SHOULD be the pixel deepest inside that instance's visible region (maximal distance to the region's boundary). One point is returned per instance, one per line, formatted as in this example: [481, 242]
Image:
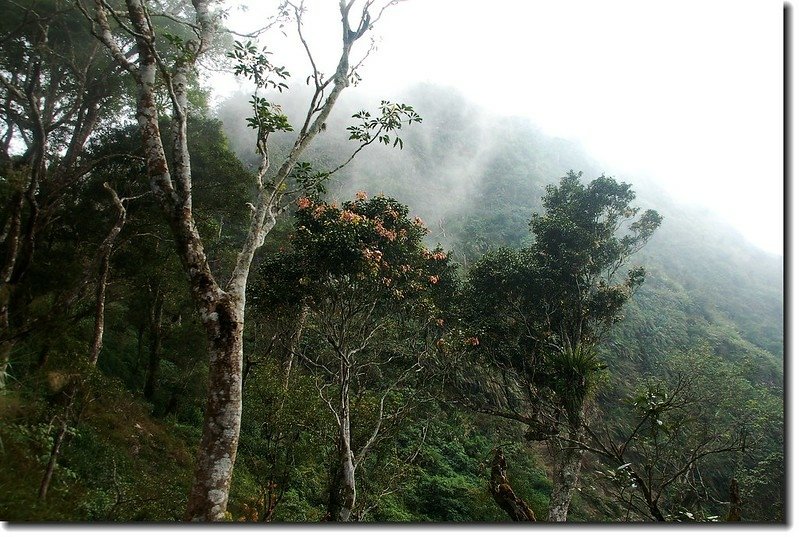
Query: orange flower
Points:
[304, 203]
[360, 195]
[385, 233]
[349, 216]
[373, 256]
[433, 279]
[472, 341]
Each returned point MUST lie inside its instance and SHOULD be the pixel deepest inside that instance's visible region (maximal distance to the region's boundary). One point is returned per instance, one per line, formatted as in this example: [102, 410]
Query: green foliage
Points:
[532, 309]
[382, 128]
[268, 117]
[112, 464]
[254, 65]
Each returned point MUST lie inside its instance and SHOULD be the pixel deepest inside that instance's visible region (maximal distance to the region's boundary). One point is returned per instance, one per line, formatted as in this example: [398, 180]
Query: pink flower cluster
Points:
[437, 256]
[385, 233]
[304, 203]
[349, 216]
[373, 256]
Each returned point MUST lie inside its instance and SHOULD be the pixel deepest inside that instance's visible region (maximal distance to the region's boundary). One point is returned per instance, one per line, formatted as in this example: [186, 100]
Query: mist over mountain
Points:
[476, 180]
[304, 303]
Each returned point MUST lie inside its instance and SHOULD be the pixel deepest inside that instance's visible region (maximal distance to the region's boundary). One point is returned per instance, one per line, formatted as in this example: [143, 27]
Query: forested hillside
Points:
[209, 312]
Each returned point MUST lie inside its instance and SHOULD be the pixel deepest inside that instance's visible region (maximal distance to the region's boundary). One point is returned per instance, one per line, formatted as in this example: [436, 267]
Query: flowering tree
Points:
[371, 290]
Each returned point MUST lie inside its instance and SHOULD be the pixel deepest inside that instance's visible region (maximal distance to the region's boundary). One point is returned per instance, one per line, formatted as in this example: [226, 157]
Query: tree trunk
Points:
[346, 456]
[51, 463]
[348, 492]
[12, 246]
[503, 494]
[296, 337]
[566, 473]
[102, 283]
[217, 453]
[99, 311]
[156, 337]
[221, 309]
[734, 515]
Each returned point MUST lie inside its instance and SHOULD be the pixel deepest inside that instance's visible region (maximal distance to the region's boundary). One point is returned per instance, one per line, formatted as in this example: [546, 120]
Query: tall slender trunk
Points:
[99, 311]
[221, 308]
[51, 463]
[12, 246]
[296, 337]
[72, 391]
[106, 248]
[346, 456]
[566, 473]
[156, 338]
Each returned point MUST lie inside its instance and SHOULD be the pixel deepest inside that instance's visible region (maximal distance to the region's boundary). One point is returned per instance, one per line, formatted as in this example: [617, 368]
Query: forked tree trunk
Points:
[566, 473]
[221, 308]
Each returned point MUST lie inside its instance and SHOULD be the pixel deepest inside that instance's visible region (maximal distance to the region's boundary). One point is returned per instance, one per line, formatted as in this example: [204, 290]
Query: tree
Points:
[221, 305]
[368, 287]
[56, 89]
[539, 314]
[672, 428]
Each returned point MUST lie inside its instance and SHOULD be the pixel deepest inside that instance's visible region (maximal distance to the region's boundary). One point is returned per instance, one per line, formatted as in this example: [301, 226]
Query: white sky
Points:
[686, 92]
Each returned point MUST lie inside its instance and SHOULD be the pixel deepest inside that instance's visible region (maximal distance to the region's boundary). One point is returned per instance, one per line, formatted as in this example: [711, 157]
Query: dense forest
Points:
[305, 305]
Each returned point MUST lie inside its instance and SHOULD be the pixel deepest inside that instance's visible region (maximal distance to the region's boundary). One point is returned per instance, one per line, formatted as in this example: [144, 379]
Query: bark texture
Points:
[516, 508]
[219, 443]
[154, 347]
[565, 475]
[734, 514]
[346, 456]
